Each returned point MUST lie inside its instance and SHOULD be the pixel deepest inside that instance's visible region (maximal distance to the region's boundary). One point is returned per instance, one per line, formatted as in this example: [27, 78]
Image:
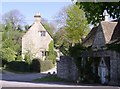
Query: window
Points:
[44, 53]
[43, 33]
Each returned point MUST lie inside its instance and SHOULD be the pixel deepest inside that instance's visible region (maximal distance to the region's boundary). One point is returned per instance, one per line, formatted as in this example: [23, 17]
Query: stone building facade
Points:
[66, 68]
[108, 68]
[36, 40]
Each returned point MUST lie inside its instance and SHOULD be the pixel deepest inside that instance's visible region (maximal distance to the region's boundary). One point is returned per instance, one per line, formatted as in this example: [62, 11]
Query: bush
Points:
[19, 58]
[7, 54]
[38, 65]
[46, 65]
[18, 66]
[115, 47]
[35, 65]
[52, 54]
[3, 62]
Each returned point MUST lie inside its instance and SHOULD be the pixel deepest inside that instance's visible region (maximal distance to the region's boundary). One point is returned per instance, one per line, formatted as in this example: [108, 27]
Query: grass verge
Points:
[50, 79]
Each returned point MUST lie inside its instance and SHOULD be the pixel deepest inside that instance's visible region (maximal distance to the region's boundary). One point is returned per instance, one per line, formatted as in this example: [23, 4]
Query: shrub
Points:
[35, 65]
[19, 58]
[18, 66]
[7, 54]
[52, 54]
[38, 65]
[3, 62]
[115, 47]
[28, 57]
[46, 65]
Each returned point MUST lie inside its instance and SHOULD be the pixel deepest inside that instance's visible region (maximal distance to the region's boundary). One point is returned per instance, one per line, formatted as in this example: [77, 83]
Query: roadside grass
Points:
[50, 79]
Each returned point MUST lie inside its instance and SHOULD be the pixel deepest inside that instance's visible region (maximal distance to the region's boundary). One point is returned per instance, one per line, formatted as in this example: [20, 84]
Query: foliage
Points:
[3, 62]
[46, 65]
[52, 54]
[84, 66]
[11, 43]
[28, 57]
[14, 17]
[18, 57]
[77, 26]
[51, 79]
[35, 65]
[76, 50]
[94, 10]
[49, 26]
[115, 47]
[18, 66]
[61, 42]
[7, 54]
[60, 18]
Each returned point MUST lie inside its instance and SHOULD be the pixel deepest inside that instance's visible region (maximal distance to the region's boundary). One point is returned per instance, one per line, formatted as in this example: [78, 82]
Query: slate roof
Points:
[116, 34]
[111, 31]
[90, 37]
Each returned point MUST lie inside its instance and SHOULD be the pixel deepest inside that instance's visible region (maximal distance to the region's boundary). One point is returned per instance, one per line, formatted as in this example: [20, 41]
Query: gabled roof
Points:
[90, 36]
[116, 33]
[107, 28]
[43, 27]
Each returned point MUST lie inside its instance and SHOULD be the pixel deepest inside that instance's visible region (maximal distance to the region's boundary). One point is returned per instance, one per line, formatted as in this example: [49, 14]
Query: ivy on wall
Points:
[115, 47]
[52, 54]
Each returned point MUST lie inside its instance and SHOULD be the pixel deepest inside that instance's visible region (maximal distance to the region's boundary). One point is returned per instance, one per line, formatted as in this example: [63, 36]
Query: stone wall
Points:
[118, 63]
[66, 68]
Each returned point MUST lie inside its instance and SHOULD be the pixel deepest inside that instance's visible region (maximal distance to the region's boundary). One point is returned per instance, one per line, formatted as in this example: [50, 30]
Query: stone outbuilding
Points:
[108, 61]
[36, 40]
[106, 33]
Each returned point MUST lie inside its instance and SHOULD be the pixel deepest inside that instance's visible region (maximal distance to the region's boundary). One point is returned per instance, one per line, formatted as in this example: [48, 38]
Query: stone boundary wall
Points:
[66, 68]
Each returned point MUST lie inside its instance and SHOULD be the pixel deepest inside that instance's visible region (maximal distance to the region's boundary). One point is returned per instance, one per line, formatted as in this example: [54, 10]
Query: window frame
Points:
[42, 33]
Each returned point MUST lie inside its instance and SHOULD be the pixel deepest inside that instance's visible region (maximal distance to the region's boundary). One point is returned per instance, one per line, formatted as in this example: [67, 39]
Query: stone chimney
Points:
[37, 17]
[106, 15]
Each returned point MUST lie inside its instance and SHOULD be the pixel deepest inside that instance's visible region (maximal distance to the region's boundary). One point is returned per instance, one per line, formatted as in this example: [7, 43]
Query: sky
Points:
[48, 10]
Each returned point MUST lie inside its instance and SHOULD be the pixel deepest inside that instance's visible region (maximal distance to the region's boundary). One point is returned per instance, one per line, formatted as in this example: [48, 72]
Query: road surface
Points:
[52, 86]
[25, 80]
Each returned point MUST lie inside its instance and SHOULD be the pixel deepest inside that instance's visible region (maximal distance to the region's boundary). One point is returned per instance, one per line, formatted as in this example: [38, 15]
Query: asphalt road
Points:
[18, 85]
[22, 77]
[24, 81]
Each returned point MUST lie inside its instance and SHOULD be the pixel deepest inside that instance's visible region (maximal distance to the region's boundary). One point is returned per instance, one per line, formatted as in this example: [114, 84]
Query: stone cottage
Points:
[108, 61]
[36, 40]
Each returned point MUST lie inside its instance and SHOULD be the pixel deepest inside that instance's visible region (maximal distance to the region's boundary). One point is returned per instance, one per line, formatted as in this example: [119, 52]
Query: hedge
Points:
[18, 66]
[36, 66]
[46, 65]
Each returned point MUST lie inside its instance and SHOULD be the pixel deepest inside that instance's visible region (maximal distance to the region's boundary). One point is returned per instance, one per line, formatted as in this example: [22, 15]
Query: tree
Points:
[49, 26]
[52, 54]
[60, 18]
[76, 24]
[14, 17]
[75, 27]
[61, 41]
[11, 43]
[7, 54]
[94, 10]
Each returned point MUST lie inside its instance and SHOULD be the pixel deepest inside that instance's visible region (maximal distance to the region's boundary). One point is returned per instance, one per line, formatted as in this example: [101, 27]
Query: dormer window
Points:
[42, 33]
